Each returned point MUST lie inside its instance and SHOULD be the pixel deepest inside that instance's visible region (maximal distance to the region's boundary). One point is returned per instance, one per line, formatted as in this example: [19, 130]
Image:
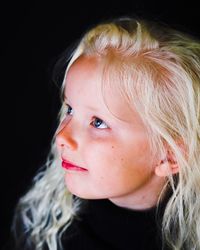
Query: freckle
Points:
[122, 159]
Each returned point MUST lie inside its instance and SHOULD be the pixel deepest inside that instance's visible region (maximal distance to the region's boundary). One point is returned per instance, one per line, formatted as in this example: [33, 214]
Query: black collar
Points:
[122, 228]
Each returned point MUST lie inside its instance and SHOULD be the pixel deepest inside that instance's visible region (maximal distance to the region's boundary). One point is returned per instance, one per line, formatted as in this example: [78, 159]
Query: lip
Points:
[69, 166]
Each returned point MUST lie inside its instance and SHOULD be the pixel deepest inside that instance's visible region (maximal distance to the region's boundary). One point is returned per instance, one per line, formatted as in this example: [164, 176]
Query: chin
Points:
[82, 195]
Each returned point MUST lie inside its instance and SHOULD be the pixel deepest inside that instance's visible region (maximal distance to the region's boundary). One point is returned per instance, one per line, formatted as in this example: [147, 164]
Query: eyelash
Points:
[92, 123]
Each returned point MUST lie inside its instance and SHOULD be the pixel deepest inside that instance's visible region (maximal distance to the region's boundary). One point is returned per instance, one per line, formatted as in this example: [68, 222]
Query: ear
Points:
[166, 168]
[168, 165]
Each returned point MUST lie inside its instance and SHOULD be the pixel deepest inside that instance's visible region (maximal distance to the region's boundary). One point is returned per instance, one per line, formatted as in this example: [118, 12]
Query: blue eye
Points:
[98, 123]
[69, 110]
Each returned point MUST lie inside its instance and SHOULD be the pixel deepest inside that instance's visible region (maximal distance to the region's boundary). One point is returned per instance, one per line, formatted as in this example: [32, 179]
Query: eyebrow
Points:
[88, 107]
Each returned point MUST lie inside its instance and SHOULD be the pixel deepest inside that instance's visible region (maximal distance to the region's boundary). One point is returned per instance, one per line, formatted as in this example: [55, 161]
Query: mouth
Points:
[70, 166]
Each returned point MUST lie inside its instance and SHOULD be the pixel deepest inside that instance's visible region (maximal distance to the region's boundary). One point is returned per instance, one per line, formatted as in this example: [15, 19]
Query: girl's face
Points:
[111, 146]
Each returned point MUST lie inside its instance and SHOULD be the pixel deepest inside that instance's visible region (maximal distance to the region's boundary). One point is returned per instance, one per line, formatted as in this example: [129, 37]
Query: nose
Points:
[65, 138]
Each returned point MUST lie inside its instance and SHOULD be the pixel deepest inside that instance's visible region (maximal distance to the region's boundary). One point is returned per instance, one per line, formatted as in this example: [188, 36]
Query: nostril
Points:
[59, 141]
[65, 140]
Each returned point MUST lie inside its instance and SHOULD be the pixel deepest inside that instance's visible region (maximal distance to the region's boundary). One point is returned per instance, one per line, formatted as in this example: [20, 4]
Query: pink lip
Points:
[69, 166]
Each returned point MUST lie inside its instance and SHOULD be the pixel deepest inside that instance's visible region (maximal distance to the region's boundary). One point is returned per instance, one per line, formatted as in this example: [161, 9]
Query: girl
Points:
[124, 169]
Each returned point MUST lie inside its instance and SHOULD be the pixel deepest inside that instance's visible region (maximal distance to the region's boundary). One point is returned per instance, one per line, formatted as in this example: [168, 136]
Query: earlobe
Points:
[166, 168]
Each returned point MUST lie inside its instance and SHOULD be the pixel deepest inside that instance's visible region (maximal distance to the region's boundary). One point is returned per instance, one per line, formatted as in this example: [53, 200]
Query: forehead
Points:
[84, 82]
[85, 72]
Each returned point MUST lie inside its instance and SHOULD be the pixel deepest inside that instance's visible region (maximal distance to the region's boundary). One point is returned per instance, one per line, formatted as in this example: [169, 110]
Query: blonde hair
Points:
[159, 74]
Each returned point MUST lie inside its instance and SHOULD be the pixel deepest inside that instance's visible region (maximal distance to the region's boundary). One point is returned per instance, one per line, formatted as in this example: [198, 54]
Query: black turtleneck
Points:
[102, 225]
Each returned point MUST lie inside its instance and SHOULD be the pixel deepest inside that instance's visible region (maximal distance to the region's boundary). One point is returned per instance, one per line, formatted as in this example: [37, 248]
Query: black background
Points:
[33, 37]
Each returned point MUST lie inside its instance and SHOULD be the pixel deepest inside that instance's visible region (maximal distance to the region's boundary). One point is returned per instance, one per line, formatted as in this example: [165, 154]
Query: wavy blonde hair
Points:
[159, 73]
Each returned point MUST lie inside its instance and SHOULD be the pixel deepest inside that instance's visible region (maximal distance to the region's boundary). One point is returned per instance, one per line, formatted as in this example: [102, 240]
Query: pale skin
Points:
[114, 149]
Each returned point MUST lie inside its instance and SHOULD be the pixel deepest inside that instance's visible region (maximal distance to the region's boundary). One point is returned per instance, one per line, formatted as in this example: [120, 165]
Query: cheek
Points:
[136, 161]
[107, 154]
[101, 152]
[138, 147]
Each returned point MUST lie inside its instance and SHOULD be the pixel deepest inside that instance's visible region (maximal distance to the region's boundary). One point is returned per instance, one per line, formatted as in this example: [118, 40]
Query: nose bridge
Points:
[67, 135]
